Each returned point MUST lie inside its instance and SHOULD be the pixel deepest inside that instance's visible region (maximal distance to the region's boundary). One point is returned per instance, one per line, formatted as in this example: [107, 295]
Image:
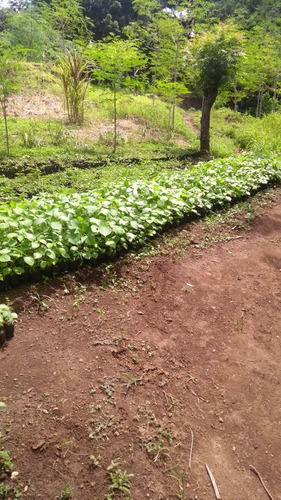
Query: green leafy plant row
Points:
[49, 230]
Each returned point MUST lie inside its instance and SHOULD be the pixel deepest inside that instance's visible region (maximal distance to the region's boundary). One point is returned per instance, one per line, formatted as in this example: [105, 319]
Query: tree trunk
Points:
[115, 116]
[208, 101]
[259, 101]
[275, 92]
[235, 97]
[4, 110]
[155, 77]
[175, 81]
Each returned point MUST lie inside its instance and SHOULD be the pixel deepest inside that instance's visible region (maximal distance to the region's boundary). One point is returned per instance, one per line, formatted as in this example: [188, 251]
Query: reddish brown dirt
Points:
[131, 359]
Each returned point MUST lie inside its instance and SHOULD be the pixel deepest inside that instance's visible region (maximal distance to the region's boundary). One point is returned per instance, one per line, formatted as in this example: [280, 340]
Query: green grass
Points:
[138, 108]
[231, 132]
[74, 179]
[37, 138]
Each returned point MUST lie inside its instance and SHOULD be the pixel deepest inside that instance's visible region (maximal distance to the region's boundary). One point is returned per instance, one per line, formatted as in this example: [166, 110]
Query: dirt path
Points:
[131, 360]
[189, 122]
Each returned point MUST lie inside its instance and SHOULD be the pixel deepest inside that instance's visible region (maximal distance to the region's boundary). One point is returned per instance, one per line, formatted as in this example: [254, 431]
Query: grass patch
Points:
[231, 132]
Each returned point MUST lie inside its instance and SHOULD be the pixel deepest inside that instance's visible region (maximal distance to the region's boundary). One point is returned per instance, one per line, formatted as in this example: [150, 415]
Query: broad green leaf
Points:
[5, 258]
[29, 260]
[105, 230]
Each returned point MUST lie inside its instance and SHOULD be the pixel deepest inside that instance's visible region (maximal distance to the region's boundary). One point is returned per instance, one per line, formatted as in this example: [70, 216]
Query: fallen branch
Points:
[261, 480]
[217, 493]
[191, 448]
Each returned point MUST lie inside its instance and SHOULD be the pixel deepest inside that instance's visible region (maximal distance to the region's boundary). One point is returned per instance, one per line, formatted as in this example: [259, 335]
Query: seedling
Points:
[180, 478]
[80, 288]
[108, 387]
[66, 492]
[119, 481]
[156, 444]
[7, 317]
[131, 381]
[64, 442]
[135, 359]
[95, 461]
[42, 306]
[5, 461]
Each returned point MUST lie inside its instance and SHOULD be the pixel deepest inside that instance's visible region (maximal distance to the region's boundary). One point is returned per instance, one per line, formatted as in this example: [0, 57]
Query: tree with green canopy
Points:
[66, 17]
[215, 57]
[117, 62]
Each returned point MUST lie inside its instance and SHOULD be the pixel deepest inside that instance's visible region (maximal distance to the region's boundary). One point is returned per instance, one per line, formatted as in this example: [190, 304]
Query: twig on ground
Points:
[191, 378]
[195, 394]
[217, 493]
[191, 448]
[261, 480]
[234, 238]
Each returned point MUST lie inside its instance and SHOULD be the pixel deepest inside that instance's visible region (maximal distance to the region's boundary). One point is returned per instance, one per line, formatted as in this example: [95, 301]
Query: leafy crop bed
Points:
[55, 230]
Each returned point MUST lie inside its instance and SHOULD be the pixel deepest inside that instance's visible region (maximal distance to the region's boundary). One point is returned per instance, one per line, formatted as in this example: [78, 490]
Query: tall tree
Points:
[30, 30]
[216, 56]
[108, 16]
[66, 17]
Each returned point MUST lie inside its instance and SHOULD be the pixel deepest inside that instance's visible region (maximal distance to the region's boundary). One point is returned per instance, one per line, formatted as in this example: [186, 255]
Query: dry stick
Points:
[191, 448]
[260, 478]
[234, 238]
[217, 493]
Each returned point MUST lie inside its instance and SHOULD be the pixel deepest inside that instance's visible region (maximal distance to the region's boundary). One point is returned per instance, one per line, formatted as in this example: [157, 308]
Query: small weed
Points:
[108, 387]
[239, 320]
[66, 492]
[63, 443]
[180, 478]
[132, 347]
[156, 444]
[99, 427]
[119, 481]
[100, 313]
[42, 306]
[95, 461]
[131, 381]
[135, 359]
[77, 302]
[4, 490]
[80, 288]
[5, 461]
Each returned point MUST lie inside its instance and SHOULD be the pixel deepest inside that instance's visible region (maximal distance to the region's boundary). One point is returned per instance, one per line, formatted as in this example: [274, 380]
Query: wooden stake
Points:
[217, 493]
[261, 480]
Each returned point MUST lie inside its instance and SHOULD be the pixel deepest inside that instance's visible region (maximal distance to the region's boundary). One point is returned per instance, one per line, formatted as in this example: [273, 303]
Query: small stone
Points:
[38, 445]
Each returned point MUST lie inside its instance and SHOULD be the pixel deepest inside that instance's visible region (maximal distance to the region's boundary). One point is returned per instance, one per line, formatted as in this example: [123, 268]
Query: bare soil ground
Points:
[43, 106]
[169, 360]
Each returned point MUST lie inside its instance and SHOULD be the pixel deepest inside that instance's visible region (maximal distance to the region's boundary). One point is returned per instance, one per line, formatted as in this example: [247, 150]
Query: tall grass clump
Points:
[261, 135]
[232, 132]
[27, 135]
[73, 69]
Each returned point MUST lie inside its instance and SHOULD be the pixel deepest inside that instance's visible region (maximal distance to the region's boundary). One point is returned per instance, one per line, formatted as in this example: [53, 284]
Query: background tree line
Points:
[223, 50]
